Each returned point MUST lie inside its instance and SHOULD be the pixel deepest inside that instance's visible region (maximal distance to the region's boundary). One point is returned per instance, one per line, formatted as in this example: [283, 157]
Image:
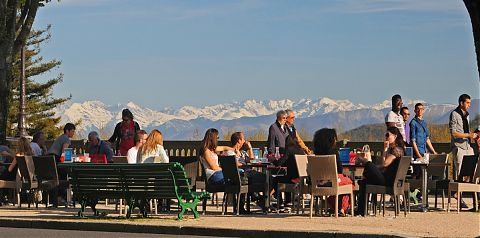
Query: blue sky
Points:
[174, 53]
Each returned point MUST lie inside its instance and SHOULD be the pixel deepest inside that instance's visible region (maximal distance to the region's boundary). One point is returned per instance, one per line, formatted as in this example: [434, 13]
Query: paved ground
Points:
[430, 224]
[48, 233]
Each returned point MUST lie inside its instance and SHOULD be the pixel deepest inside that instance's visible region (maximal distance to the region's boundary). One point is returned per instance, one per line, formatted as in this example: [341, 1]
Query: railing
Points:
[190, 148]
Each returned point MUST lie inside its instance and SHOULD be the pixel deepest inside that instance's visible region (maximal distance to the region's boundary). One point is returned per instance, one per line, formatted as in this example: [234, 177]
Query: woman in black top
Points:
[394, 148]
[325, 143]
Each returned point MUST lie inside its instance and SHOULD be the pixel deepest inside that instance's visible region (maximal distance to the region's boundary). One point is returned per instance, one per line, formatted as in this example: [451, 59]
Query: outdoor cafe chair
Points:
[211, 188]
[471, 184]
[235, 186]
[397, 190]
[322, 170]
[28, 180]
[298, 189]
[47, 175]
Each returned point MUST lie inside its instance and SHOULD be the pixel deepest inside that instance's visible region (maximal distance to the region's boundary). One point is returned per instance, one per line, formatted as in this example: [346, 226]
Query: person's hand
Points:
[249, 146]
[386, 144]
[472, 135]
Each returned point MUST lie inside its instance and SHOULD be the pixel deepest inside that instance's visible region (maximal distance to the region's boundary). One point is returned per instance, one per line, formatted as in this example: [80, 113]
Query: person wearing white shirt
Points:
[393, 117]
[140, 138]
[152, 150]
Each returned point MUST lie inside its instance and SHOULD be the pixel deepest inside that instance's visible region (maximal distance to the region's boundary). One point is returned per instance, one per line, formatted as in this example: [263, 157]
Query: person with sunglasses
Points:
[405, 113]
[393, 150]
[124, 133]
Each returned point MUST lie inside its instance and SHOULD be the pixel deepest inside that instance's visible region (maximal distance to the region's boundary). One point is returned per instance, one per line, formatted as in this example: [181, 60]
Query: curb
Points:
[175, 230]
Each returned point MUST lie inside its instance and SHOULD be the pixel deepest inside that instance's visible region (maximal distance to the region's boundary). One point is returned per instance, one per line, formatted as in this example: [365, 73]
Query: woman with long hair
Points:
[124, 133]
[209, 158]
[325, 143]
[393, 150]
[152, 148]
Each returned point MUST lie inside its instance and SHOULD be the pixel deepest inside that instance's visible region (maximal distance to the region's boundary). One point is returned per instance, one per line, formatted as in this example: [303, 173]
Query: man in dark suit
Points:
[277, 133]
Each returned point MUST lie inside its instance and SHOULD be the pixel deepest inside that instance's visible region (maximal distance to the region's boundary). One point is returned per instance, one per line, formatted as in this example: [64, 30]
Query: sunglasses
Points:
[387, 134]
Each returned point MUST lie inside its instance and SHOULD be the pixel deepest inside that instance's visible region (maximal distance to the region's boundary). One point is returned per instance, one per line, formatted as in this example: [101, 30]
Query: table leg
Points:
[424, 189]
[267, 189]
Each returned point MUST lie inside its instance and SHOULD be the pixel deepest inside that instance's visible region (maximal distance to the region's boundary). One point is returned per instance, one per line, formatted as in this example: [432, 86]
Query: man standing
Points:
[460, 132]
[62, 142]
[277, 133]
[293, 131]
[393, 117]
[99, 147]
[405, 115]
[419, 134]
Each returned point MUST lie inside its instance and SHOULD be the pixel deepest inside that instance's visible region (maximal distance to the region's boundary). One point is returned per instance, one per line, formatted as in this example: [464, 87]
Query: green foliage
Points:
[39, 99]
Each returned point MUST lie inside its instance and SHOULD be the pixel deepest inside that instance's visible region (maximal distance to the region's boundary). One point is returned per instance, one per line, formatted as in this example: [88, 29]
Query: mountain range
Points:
[250, 116]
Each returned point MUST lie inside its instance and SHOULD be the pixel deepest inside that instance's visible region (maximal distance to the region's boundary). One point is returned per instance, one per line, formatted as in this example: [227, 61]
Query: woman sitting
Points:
[209, 158]
[325, 143]
[393, 149]
[152, 151]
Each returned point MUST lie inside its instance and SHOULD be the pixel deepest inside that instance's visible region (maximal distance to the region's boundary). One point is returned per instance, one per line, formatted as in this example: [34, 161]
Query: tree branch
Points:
[26, 27]
[23, 15]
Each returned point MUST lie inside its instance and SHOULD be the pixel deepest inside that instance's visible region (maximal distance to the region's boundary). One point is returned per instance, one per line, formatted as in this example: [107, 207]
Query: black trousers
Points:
[372, 175]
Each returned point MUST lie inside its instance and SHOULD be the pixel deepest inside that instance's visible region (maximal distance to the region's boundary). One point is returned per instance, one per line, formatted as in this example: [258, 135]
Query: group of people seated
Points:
[140, 147]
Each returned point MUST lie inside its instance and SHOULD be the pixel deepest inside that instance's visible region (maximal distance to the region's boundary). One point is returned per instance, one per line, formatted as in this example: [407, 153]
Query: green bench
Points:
[136, 183]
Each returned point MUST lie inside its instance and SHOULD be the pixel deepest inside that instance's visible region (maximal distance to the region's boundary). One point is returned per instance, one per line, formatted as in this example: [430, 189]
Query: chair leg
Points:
[459, 198]
[311, 205]
[278, 200]
[443, 198]
[366, 204]
[449, 199]
[204, 206]
[436, 195]
[405, 204]
[383, 204]
[238, 203]
[336, 206]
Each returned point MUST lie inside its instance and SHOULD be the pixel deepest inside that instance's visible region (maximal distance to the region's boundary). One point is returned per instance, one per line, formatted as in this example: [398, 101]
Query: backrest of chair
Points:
[402, 170]
[476, 176]
[26, 168]
[45, 167]
[322, 170]
[437, 171]
[229, 169]
[301, 161]
[120, 159]
[469, 163]
[98, 158]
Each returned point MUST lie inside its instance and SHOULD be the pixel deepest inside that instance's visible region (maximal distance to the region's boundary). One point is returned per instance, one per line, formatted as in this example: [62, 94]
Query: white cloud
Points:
[377, 6]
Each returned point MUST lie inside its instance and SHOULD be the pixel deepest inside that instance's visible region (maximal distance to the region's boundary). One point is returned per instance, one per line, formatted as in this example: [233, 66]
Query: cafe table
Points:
[424, 166]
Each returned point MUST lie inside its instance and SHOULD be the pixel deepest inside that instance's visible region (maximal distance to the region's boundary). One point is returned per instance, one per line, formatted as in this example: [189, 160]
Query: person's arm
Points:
[456, 129]
[116, 133]
[250, 150]
[430, 146]
[271, 140]
[108, 152]
[222, 148]
[302, 145]
[209, 159]
[12, 165]
[388, 160]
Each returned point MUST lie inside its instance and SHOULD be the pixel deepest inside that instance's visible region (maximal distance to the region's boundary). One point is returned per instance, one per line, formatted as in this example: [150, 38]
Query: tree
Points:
[39, 103]
[473, 8]
[16, 20]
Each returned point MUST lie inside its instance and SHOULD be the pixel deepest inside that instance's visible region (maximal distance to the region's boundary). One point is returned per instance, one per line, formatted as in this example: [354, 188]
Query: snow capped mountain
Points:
[252, 114]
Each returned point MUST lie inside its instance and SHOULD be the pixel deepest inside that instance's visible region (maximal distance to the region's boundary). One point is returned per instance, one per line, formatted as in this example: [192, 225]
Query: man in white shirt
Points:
[393, 117]
[140, 138]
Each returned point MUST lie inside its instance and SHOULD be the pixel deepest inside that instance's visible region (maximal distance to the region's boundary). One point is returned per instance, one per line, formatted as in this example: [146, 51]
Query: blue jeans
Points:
[216, 178]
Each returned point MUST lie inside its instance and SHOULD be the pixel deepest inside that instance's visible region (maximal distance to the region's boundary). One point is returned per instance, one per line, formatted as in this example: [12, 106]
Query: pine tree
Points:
[39, 99]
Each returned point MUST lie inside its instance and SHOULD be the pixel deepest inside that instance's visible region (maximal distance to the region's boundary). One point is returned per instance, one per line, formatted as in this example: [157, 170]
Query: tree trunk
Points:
[473, 8]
